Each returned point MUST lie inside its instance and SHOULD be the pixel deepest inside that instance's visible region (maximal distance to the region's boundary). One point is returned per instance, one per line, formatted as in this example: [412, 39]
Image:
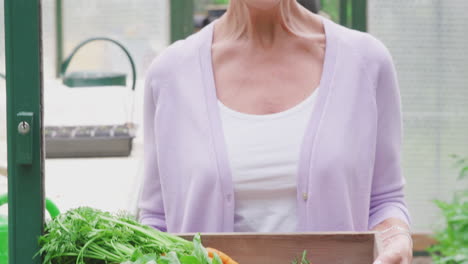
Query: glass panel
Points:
[94, 119]
[428, 41]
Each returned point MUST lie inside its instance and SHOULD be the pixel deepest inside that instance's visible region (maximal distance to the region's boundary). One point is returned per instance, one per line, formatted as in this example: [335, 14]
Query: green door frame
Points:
[58, 36]
[359, 15]
[358, 11]
[24, 103]
[181, 19]
[343, 6]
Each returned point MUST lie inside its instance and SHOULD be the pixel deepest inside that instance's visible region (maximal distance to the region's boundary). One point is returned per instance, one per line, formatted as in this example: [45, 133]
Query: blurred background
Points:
[94, 133]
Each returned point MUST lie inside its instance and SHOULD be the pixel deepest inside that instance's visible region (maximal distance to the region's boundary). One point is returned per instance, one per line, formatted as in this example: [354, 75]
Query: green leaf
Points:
[146, 258]
[199, 251]
[463, 173]
[189, 260]
[137, 255]
[163, 260]
[170, 258]
[216, 259]
[303, 259]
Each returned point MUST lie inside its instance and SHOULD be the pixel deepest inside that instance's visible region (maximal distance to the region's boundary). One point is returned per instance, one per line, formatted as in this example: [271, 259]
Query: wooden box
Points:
[322, 248]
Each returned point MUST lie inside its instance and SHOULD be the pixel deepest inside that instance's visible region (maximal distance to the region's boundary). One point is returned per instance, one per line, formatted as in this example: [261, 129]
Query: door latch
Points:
[24, 150]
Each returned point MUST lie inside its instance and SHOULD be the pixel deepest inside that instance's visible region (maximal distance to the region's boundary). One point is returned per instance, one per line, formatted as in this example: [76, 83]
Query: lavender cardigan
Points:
[349, 176]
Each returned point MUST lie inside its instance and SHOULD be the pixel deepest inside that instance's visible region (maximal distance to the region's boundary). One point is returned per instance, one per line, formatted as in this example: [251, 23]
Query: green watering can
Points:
[51, 208]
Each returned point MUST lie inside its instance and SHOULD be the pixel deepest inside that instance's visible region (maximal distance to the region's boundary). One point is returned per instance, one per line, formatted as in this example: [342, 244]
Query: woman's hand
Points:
[394, 242]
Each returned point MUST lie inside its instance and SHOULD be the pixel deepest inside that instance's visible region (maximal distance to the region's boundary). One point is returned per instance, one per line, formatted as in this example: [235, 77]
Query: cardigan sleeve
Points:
[150, 205]
[387, 197]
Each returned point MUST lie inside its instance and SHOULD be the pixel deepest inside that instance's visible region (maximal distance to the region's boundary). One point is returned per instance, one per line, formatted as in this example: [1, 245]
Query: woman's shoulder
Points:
[362, 51]
[180, 55]
[365, 47]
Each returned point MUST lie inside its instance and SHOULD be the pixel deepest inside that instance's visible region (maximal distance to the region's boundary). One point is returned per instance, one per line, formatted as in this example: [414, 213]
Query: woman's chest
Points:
[265, 84]
[337, 140]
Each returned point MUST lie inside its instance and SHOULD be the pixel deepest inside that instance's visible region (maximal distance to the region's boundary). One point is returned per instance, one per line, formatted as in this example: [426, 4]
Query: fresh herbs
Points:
[199, 255]
[90, 236]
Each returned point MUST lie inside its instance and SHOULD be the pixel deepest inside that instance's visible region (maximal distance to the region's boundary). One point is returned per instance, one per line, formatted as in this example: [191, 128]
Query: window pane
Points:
[428, 41]
[142, 27]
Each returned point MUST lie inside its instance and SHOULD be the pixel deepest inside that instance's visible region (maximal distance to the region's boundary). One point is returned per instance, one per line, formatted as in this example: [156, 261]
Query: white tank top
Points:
[263, 152]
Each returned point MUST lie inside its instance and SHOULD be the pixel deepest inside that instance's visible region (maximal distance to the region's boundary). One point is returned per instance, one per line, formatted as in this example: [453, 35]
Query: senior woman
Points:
[273, 119]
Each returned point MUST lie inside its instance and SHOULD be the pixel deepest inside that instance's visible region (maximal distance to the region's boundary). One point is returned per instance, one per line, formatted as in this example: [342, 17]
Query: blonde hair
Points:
[239, 13]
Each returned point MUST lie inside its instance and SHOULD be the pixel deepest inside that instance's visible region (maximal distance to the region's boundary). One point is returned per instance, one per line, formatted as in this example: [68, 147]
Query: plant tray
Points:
[89, 141]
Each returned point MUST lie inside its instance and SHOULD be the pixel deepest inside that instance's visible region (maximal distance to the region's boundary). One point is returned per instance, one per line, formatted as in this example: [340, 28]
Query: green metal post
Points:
[58, 36]
[359, 17]
[344, 12]
[181, 19]
[25, 144]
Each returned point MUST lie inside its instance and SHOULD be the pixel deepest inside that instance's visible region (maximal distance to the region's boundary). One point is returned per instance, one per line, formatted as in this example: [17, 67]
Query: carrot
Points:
[224, 258]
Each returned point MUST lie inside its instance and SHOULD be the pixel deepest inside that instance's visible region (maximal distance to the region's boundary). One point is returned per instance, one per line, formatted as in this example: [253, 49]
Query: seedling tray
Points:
[89, 141]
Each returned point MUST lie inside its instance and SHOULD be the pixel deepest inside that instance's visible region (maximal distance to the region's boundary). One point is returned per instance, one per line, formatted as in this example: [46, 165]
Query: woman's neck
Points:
[265, 27]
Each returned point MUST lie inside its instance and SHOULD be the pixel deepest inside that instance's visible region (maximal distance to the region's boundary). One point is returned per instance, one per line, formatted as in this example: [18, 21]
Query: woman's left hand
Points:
[395, 249]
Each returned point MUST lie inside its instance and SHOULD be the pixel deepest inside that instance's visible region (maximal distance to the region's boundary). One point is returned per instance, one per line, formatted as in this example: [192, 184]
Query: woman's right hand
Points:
[396, 246]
